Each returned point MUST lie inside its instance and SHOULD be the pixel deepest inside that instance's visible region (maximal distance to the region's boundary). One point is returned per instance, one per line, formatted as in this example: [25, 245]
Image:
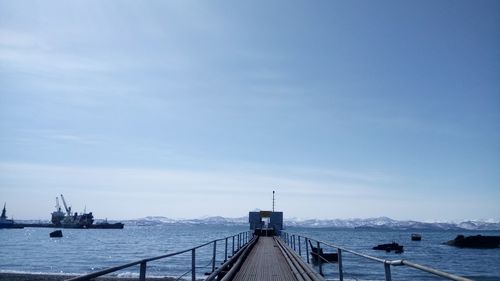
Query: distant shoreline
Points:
[57, 277]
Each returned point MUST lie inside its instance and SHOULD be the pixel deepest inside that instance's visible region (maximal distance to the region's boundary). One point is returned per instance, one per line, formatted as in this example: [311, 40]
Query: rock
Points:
[478, 241]
[56, 234]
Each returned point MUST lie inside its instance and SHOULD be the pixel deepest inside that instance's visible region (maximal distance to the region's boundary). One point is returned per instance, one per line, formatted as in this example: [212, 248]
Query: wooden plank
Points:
[265, 263]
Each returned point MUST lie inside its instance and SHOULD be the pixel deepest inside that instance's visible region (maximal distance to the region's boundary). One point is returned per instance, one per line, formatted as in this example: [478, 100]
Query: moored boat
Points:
[390, 247]
[6, 222]
[416, 237]
[319, 256]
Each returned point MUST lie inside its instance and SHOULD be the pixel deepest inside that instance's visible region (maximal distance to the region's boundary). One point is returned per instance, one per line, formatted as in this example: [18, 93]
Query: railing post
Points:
[293, 239]
[142, 273]
[387, 268]
[213, 255]
[300, 250]
[193, 265]
[225, 251]
[341, 270]
[307, 249]
[233, 246]
[319, 258]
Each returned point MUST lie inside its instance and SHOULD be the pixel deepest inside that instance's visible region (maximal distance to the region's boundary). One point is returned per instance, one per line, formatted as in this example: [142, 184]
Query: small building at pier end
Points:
[266, 223]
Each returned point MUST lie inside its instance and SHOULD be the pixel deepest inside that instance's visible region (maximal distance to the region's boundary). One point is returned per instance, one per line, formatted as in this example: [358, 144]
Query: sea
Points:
[80, 251]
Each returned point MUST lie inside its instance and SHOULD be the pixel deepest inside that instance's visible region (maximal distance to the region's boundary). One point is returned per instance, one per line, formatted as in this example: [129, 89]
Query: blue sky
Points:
[192, 108]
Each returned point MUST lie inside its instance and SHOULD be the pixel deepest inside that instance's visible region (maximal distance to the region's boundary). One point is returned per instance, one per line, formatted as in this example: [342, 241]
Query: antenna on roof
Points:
[273, 201]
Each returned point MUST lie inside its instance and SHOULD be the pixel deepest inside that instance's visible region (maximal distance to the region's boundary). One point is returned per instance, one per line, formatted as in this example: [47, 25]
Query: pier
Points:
[267, 253]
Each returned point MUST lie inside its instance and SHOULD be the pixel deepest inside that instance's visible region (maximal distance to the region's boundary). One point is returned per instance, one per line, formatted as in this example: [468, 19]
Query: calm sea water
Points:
[83, 251]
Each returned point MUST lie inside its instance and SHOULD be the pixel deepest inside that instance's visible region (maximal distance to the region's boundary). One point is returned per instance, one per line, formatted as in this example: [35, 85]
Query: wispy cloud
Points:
[28, 52]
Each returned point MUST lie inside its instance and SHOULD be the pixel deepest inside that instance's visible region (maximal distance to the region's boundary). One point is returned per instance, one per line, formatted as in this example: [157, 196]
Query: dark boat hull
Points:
[389, 247]
[11, 226]
[323, 257]
[117, 225]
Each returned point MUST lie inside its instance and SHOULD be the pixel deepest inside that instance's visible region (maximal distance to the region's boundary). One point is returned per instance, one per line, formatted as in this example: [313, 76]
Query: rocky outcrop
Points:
[478, 241]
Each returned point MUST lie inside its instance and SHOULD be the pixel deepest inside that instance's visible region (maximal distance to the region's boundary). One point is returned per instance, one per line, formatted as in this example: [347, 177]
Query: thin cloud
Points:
[27, 52]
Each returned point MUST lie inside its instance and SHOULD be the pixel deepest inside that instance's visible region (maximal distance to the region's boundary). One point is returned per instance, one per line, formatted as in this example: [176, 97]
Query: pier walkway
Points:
[272, 260]
[265, 262]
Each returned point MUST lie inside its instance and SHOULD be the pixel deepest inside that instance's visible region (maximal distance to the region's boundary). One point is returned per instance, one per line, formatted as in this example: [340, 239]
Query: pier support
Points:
[142, 272]
[193, 265]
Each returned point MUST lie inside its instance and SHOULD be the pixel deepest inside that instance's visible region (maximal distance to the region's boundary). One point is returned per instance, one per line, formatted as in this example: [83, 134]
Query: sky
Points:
[184, 109]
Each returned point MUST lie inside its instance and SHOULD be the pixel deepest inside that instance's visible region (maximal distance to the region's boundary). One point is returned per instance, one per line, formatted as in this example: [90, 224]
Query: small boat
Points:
[416, 237]
[390, 247]
[6, 222]
[323, 257]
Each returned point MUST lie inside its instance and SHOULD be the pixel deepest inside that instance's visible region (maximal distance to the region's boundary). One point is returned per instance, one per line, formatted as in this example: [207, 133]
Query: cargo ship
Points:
[68, 219]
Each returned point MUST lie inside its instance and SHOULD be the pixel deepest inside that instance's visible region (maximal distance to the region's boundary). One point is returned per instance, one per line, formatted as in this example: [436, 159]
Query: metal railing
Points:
[239, 242]
[292, 240]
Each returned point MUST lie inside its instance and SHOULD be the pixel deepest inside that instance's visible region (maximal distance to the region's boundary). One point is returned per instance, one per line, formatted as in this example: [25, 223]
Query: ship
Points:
[68, 219]
[6, 222]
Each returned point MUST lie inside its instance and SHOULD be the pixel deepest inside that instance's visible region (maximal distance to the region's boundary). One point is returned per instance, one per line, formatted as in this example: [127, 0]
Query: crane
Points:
[68, 210]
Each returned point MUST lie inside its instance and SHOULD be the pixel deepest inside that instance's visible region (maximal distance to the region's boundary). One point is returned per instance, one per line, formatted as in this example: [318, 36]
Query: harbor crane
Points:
[68, 209]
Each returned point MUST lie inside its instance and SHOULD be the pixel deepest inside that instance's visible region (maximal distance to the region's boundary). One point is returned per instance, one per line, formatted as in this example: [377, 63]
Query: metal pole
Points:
[225, 251]
[142, 274]
[307, 250]
[193, 265]
[233, 246]
[300, 251]
[293, 238]
[341, 270]
[387, 268]
[319, 259]
[213, 255]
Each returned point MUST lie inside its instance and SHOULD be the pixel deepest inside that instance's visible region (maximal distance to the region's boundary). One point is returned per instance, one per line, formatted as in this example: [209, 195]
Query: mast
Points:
[4, 211]
[273, 201]
[58, 206]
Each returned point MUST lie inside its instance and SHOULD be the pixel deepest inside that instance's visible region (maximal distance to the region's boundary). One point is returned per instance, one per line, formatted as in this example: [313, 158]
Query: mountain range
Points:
[369, 223]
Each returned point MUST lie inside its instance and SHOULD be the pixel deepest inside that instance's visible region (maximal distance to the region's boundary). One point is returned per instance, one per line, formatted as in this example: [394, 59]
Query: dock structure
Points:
[268, 258]
[271, 260]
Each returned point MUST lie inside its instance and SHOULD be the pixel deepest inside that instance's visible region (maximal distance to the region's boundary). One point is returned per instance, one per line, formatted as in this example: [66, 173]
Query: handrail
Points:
[387, 263]
[243, 239]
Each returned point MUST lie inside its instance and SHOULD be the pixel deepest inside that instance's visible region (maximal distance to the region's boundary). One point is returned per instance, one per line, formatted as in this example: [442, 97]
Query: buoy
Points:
[56, 234]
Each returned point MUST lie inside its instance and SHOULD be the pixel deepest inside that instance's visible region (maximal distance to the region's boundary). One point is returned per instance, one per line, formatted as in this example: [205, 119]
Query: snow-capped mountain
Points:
[376, 223]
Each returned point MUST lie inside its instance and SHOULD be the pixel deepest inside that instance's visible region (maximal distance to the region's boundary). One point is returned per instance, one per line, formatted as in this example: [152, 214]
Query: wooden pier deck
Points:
[265, 263]
[269, 260]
